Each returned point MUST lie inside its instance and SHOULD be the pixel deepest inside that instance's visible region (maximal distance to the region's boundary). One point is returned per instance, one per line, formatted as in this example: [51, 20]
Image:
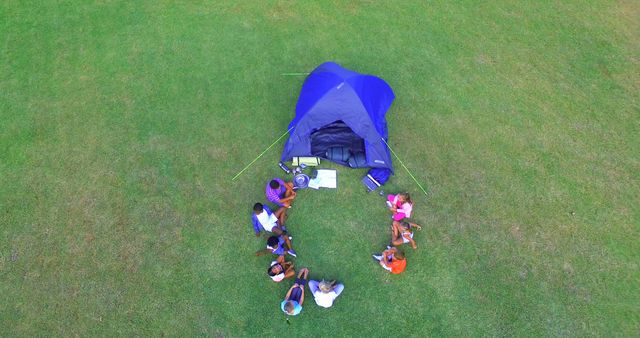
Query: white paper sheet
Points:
[326, 178]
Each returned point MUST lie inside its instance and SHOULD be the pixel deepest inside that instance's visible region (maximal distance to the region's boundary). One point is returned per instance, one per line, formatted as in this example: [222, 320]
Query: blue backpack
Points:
[375, 178]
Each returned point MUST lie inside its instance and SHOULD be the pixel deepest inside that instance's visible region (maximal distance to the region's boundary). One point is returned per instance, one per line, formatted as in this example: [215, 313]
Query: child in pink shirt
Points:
[401, 205]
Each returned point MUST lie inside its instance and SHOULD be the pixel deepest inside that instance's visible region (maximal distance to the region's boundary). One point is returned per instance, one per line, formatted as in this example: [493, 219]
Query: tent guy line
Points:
[340, 115]
[385, 142]
[342, 112]
[405, 167]
[255, 159]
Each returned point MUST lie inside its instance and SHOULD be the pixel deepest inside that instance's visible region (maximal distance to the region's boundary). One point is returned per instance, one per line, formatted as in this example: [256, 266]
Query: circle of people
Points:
[282, 194]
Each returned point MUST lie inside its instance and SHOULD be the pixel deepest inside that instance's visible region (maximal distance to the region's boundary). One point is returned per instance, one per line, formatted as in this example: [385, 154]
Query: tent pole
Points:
[272, 144]
[405, 167]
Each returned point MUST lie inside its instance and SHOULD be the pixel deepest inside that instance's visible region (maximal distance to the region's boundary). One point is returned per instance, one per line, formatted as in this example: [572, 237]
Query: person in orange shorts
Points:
[392, 260]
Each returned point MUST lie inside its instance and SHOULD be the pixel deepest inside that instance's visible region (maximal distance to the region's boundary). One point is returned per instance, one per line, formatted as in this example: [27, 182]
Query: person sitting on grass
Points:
[280, 192]
[392, 260]
[325, 293]
[292, 303]
[280, 269]
[402, 232]
[264, 219]
[400, 205]
[278, 245]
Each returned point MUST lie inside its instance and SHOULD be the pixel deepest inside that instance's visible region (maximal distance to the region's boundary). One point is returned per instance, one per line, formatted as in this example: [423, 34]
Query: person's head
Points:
[274, 184]
[258, 208]
[399, 255]
[272, 241]
[325, 286]
[289, 307]
[405, 198]
[274, 270]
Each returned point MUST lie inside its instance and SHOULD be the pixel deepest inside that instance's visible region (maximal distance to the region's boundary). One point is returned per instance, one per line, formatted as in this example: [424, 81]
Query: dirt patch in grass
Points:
[516, 232]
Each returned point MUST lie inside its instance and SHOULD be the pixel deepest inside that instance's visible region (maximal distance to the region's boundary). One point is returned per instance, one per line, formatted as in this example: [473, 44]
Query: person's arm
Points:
[287, 199]
[405, 209]
[289, 186]
[280, 259]
[263, 252]
[389, 251]
[415, 226]
[257, 227]
[383, 262]
[411, 241]
[394, 204]
[386, 254]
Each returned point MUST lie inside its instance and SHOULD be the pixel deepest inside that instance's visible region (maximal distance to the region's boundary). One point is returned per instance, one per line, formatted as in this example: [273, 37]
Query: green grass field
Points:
[122, 124]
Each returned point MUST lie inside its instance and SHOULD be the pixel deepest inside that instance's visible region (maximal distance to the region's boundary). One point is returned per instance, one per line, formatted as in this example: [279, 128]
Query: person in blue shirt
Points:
[292, 303]
[278, 245]
[263, 219]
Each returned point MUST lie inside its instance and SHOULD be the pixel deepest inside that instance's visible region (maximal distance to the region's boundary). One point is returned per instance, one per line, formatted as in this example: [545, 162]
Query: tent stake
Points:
[405, 167]
[272, 144]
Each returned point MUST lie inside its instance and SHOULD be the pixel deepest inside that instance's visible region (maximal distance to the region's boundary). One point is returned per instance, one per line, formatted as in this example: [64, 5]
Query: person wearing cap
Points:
[325, 292]
[280, 269]
[292, 303]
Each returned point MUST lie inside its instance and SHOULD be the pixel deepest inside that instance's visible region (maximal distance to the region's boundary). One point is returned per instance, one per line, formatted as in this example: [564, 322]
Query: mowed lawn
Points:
[123, 122]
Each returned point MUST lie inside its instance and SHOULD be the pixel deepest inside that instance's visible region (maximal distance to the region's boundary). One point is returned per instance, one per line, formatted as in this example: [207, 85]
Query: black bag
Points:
[338, 154]
[358, 160]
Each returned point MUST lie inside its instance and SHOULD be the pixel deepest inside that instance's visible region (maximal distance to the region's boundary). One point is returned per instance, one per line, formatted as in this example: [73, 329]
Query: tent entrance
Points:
[335, 134]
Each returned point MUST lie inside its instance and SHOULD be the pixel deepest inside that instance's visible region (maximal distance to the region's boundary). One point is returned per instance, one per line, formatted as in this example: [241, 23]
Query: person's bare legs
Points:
[286, 201]
[289, 270]
[395, 229]
[303, 273]
[396, 233]
[281, 215]
[287, 241]
[397, 241]
[289, 187]
[289, 194]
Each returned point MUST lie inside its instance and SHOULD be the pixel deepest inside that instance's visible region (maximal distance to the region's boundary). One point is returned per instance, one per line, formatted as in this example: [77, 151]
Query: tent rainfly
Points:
[340, 108]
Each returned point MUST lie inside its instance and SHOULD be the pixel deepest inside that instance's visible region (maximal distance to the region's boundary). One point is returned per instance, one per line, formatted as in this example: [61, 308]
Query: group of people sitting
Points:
[282, 194]
[272, 223]
[393, 259]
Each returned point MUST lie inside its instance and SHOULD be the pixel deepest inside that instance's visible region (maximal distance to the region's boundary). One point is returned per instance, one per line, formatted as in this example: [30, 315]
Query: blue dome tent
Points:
[338, 107]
